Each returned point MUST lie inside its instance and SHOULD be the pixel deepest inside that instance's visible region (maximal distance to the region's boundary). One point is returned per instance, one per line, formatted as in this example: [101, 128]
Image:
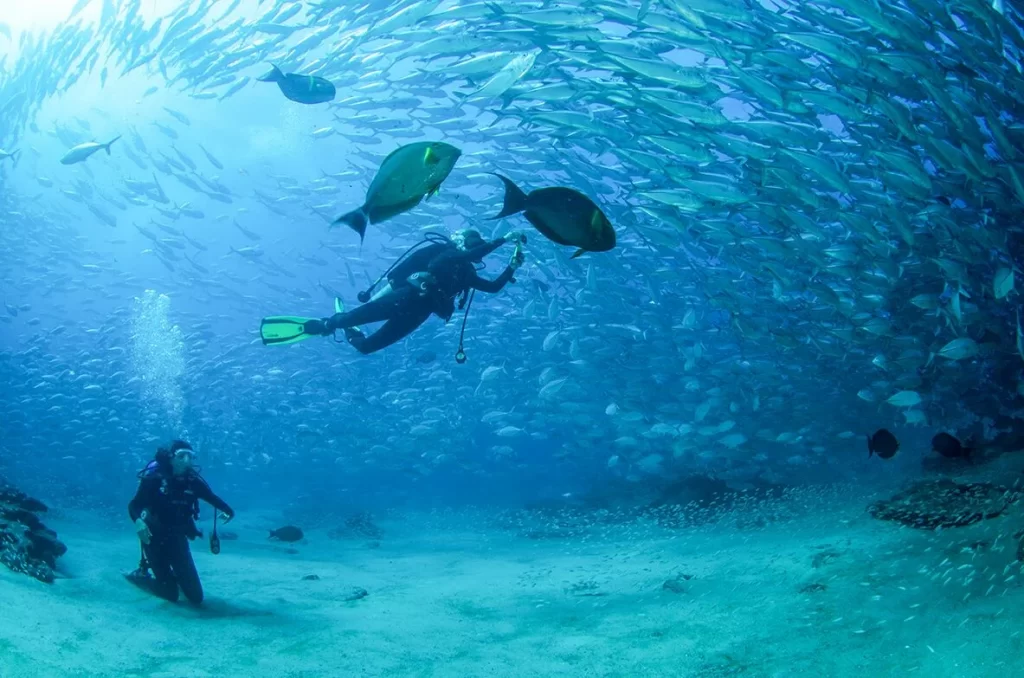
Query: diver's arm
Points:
[143, 497]
[496, 285]
[477, 253]
[204, 492]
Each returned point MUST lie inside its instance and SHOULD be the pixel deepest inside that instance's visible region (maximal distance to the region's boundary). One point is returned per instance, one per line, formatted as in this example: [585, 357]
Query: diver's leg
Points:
[398, 327]
[374, 311]
[163, 583]
[185, 571]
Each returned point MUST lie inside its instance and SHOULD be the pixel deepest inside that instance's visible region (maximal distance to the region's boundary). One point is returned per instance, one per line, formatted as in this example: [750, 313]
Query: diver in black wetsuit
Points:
[426, 282]
[164, 510]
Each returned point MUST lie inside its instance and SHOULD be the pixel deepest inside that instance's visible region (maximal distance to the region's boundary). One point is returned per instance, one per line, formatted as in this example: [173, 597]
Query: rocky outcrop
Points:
[944, 503]
[26, 544]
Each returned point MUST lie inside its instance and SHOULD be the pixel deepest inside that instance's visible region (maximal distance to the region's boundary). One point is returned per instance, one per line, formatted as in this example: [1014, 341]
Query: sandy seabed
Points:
[832, 592]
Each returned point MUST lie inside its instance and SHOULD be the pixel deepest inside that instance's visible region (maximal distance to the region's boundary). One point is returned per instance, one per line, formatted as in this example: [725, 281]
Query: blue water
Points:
[815, 208]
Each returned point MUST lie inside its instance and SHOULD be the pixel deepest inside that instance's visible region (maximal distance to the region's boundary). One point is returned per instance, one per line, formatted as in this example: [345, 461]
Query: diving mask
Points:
[185, 455]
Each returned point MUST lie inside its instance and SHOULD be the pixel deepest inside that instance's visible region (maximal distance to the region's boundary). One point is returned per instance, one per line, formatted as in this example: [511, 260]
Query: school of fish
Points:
[817, 212]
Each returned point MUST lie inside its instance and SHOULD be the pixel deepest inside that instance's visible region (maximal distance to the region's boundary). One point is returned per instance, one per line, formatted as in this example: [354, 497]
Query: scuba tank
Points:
[429, 239]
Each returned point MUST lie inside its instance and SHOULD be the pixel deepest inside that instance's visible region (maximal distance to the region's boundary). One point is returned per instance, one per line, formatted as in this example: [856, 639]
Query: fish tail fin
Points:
[645, 8]
[515, 199]
[870, 450]
[718, 52]
[111, 143]
[274, 76]
[356, 220]
[546, 48]
[271, 535]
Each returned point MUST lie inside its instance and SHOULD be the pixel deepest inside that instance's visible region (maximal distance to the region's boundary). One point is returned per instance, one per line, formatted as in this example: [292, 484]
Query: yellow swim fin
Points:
[284, 329]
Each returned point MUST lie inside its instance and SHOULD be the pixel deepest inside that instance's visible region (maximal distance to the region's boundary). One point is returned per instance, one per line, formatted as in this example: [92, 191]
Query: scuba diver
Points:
[424, 281]
[164, 511]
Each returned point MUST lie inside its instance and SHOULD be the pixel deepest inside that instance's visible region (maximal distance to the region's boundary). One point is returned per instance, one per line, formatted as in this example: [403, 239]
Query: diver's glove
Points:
[515, 236]
[320, 327]
[516, 260]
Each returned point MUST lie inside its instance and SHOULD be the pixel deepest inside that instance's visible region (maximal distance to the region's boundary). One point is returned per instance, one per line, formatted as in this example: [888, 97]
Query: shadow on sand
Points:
[218, 608]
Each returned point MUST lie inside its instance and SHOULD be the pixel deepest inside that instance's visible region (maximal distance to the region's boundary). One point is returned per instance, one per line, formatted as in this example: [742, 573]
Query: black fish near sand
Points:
[883, 443]
[950, 447]
[562, 215]
[302, 89]
[288, 533]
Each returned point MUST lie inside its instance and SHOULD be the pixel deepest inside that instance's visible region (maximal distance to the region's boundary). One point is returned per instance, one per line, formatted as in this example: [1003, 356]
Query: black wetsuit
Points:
[407, 307]
[171, 504]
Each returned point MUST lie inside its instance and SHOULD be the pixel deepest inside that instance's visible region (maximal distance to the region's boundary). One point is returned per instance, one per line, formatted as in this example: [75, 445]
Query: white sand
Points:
[453, 596]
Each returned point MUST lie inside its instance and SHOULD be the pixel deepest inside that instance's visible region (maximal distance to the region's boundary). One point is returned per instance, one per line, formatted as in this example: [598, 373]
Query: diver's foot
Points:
[319, 327]
[353, 335]
[139, 577]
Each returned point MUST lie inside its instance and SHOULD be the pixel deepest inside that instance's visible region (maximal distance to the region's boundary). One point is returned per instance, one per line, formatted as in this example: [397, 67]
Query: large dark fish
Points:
[562, 215]
[302, 89]
[288, 533]
[949, 446]
[883, 443]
